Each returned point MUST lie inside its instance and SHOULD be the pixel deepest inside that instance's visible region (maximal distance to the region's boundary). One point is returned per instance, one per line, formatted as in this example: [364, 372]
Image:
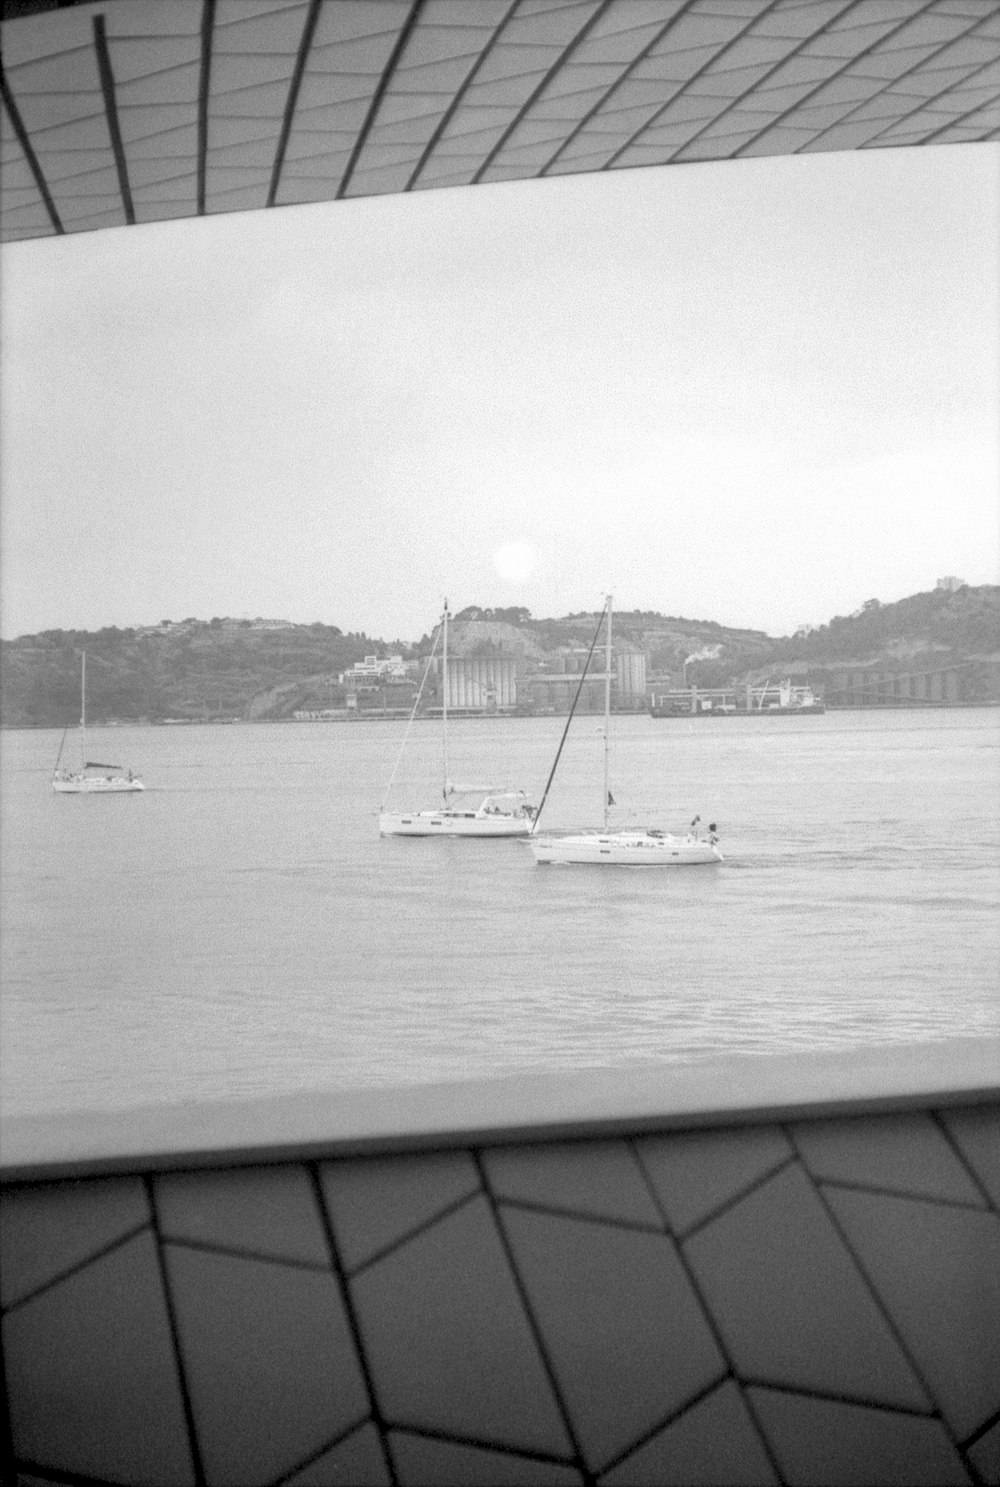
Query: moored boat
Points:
[629, 846]
[92, 777]
[466, 810]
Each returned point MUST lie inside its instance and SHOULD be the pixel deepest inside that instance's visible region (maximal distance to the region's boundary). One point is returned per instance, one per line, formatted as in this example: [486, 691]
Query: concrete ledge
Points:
[588, 1104]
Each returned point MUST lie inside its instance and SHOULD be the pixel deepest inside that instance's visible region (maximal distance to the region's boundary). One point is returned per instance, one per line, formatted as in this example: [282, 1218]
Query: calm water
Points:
[241, 929]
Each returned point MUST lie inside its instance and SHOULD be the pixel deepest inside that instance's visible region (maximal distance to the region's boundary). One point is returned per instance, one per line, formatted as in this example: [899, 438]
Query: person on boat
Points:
[694, 827]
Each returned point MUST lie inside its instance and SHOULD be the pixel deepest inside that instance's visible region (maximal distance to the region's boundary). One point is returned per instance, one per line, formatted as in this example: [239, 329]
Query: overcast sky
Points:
[757, 392]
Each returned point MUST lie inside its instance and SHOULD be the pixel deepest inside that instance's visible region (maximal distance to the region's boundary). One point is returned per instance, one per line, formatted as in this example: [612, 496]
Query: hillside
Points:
[924, 632]
[192, 670]
[202, 670]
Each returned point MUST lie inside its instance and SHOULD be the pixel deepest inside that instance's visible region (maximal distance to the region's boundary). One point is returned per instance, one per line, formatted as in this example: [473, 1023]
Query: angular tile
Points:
[976, 1132]
[92, 1375]
[620, 1322]
[375, 1202]
[714, 1442]
[790, 1303]
[447, 1340]
[696, 1172]
[905, 1153]
[985, 1456]
[47, 1228]
[258, 1210]
[269, 1359]
[817, 1442]
[937, 1272]
[599, 1178]
[423, 1462]
[358, 1461]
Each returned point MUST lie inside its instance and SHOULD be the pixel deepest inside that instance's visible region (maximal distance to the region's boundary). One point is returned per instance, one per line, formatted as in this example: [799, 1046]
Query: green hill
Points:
[202, 670]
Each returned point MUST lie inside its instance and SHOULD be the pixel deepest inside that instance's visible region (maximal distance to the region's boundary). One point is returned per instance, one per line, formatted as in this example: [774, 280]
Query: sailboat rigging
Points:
[466, 810]
[633, 846]
[112, 780]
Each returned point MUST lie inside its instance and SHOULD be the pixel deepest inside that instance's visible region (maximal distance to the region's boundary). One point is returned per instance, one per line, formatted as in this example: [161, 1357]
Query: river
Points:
[241, 930]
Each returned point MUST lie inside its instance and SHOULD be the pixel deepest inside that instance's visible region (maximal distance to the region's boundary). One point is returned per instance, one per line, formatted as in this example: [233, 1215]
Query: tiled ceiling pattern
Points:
[811, 1302]
[138, 110]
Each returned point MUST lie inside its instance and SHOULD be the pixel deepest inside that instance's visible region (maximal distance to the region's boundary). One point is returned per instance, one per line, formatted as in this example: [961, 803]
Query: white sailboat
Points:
[467, 810]
[92, 778]
[632, 846]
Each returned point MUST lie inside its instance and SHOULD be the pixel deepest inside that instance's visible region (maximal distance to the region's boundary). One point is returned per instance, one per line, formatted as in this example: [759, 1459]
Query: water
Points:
[241, 929]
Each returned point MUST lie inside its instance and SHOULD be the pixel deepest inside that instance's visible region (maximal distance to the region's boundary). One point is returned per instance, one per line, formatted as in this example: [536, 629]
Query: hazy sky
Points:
[758, 392]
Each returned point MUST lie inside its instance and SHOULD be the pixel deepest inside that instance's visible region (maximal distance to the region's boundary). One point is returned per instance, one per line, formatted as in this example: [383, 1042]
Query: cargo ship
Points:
[773, 699]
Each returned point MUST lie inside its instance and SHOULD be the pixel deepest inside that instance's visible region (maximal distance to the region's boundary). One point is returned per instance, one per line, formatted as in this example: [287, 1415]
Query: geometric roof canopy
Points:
[132, 111]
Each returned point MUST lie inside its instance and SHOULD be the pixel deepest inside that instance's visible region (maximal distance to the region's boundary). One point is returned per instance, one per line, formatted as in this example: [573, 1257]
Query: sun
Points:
[515, 561]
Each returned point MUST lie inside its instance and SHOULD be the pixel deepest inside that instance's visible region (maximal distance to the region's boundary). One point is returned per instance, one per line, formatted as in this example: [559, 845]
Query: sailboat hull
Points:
[97, 785]
[626, 848]
[451, 823]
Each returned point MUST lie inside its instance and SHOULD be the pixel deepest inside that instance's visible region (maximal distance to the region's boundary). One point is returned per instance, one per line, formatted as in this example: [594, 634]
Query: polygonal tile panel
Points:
[831, 1444]
[47, 1228]
[713, 1443]
[696, 1172]
[599, 1178]
[374, 1202]
[904, 1153]
[269, 1360]
[92, 1376]
[421, 1461]
[791, 1305]
[619, 1319]
[268, 1211]
[358, 1461]
[448, 1344]
[976, 1133]
[936, 1270]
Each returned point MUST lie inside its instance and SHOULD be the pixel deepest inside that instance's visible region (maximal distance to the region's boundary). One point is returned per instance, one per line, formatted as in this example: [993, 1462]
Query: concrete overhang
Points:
[124, 112]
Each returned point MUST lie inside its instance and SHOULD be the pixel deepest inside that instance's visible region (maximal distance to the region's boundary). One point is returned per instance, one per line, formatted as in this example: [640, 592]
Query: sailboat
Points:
[631, 847]
[112, 779]
[466, 810]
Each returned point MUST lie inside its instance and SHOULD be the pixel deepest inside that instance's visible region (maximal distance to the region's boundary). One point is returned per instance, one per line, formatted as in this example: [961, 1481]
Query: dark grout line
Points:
[52, 1476]
[692, 1280]
[849, 1185]
[833, 1396]
[210, 1247]
[330, 1445]
[982, 1430]
[883, 1311]
[607, 1221]
[683, 1235]
[353, 1321]
[421, 1228]
[484, 1443]
[667, 1421]
[577, 1458]
[938, 1118]
[172, 1323]
[8, 1468]
[98, 1254]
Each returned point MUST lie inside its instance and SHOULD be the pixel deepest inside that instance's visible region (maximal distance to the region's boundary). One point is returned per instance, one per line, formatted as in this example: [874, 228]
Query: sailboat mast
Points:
[83, 707]
[444, 699]
[607, 707]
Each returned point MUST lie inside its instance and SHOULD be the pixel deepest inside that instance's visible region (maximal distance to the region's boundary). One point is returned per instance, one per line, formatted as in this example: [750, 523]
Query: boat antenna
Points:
[576, 699]
[413, 714]
[607, 710]
[444, 701]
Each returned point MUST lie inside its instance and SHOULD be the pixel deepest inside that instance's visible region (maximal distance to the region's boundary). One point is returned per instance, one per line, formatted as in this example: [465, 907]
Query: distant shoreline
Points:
[378, 717]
